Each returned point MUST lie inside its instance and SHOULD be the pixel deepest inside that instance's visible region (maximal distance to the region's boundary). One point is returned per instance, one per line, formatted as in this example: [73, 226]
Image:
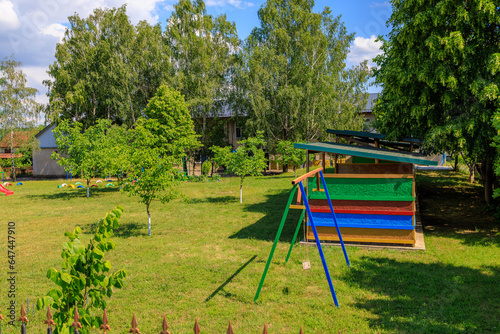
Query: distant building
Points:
[368, 112]
[43, 165]
[19, 139]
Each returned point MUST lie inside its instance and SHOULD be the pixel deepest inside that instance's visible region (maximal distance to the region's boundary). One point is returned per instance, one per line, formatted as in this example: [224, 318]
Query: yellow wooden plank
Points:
[302, 207]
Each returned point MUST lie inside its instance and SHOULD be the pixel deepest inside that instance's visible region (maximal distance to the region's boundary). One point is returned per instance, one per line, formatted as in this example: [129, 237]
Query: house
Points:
[43, 165]
[368, 110]
[19, 138]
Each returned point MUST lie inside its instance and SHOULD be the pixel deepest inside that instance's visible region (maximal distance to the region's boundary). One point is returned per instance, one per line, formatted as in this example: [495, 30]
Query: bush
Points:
[216, 177]
[206, 167]
[83, 282]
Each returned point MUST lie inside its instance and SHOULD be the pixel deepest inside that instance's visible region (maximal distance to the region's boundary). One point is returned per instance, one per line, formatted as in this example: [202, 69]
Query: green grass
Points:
[206, 257]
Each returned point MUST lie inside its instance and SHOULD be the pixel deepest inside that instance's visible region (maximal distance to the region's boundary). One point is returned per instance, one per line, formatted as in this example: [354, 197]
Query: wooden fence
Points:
[105, 326]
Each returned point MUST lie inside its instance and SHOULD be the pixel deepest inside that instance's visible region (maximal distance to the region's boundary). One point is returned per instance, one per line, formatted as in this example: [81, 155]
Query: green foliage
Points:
[293, 81]
[84, 280]
[290, 156]
[204, 49]
[248, 159]
[106, 68]
[18, 110]
[99, 150]
[170, 122]
[206, 167]
[439, 72]
[152, 175]
[156, 144]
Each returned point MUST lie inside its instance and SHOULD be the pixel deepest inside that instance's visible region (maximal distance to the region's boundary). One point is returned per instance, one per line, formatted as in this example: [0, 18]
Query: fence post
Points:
[23, 319]
[105, 327]
[164, 326]
[49, 321]
[196, 327]
[230, 328]
[134, 329]
[1, 318]
[265, 329]
[76, 324]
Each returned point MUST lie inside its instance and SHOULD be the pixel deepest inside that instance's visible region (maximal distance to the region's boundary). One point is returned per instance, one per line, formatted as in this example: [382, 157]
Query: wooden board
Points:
[364, 235]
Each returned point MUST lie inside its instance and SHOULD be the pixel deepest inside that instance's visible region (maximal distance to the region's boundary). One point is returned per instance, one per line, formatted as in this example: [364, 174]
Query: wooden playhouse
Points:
[373, 193]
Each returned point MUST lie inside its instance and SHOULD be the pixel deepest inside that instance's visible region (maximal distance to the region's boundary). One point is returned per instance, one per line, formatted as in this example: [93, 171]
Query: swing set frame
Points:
[302, 194]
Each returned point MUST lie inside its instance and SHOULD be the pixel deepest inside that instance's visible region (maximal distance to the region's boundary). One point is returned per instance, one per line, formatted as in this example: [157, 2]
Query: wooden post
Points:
[377, 145]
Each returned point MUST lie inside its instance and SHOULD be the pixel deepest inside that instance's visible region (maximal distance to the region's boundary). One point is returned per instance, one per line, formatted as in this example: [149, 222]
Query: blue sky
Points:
[30, 29]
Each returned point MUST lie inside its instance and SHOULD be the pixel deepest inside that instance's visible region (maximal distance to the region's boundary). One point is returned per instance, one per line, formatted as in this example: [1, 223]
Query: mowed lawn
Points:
[207, 254]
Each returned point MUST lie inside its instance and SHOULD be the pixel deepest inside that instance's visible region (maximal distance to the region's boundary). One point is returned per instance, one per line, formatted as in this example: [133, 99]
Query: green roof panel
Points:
[367, 152]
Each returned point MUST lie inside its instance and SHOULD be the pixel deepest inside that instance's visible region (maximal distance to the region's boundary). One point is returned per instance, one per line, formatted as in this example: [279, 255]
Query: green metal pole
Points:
[280, 229]
[295, 235]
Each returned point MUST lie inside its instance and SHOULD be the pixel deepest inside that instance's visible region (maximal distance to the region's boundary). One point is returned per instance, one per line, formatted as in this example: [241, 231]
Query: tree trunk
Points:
[149, 220]
[456, 163]
[88, 188]
[472, 169]
[489, 178]
[12, 155]
[241, 192]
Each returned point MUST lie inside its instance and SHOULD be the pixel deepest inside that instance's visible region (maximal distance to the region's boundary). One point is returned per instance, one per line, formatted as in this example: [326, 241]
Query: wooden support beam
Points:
[306, 175]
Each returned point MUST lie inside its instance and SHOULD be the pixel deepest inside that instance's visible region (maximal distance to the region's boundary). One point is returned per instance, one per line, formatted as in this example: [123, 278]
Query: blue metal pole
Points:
[334, 218]
[318, 243]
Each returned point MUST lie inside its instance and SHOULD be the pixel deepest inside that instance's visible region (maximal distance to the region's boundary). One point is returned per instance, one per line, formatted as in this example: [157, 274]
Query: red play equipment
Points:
[7, 192]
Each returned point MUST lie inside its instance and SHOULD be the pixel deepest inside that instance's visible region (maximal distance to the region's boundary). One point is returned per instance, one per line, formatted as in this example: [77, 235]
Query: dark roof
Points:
[356, 134]
[367, 152]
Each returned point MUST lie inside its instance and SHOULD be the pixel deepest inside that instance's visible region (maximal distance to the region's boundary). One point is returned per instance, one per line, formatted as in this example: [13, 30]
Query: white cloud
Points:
[380, 4]
[55, 29]
[235, 3]
[8, 18]
[364, 49]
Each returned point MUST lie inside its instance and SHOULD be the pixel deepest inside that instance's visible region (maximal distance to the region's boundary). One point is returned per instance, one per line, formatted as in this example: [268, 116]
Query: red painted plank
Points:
[363, 207]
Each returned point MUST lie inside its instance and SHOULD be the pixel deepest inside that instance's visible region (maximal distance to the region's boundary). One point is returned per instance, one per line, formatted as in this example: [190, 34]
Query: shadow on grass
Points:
[221, 287]
[125, 230]
[213, 200]
[267, 227]
[452, 207]
[66, 194]
[427, 298]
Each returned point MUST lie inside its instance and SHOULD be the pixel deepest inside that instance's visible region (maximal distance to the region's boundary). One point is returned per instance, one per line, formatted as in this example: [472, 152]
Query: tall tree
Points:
[106, 68]
[440, 76]
[18, 109]
[294, 75]
[204, 51]
[157, 143]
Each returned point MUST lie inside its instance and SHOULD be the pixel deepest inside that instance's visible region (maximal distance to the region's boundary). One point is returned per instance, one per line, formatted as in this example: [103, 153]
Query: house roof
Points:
[7, 155]
[367, 152]
[370, 102]
[20, 137]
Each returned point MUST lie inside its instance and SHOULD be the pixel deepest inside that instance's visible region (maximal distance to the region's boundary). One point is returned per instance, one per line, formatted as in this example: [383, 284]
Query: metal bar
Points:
[334, 218]
[306, 175]
[318, 244]
[280, 229]
[297, 229]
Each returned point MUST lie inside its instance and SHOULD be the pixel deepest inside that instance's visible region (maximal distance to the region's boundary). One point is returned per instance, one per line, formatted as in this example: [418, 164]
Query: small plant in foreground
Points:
[83, 281]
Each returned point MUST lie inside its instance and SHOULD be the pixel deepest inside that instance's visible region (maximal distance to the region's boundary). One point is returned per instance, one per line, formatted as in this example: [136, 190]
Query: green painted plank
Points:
[379, 189]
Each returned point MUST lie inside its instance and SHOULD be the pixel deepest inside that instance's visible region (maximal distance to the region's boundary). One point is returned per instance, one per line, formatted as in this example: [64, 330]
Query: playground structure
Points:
[6, 191]
[373, 194]
[318, 173]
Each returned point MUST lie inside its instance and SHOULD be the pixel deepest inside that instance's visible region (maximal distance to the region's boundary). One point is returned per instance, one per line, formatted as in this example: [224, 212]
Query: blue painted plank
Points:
[396, 222]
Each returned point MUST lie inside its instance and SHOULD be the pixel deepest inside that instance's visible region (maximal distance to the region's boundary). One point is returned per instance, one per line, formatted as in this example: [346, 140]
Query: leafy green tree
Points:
[247, 160]
[157, 144]
[18, 109]
[204, 49]
[293, 76]
[106, 68]
[440, 76]
[152, 173]
[85, 280]
[290, 156]
[171, 123]
[89, 153]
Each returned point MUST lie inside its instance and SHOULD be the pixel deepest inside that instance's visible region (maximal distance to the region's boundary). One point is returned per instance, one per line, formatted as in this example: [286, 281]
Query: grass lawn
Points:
[206, 256]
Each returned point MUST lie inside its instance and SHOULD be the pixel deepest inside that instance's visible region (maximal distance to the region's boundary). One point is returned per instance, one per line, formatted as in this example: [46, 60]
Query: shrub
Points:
[206, 167]
[83, 282]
